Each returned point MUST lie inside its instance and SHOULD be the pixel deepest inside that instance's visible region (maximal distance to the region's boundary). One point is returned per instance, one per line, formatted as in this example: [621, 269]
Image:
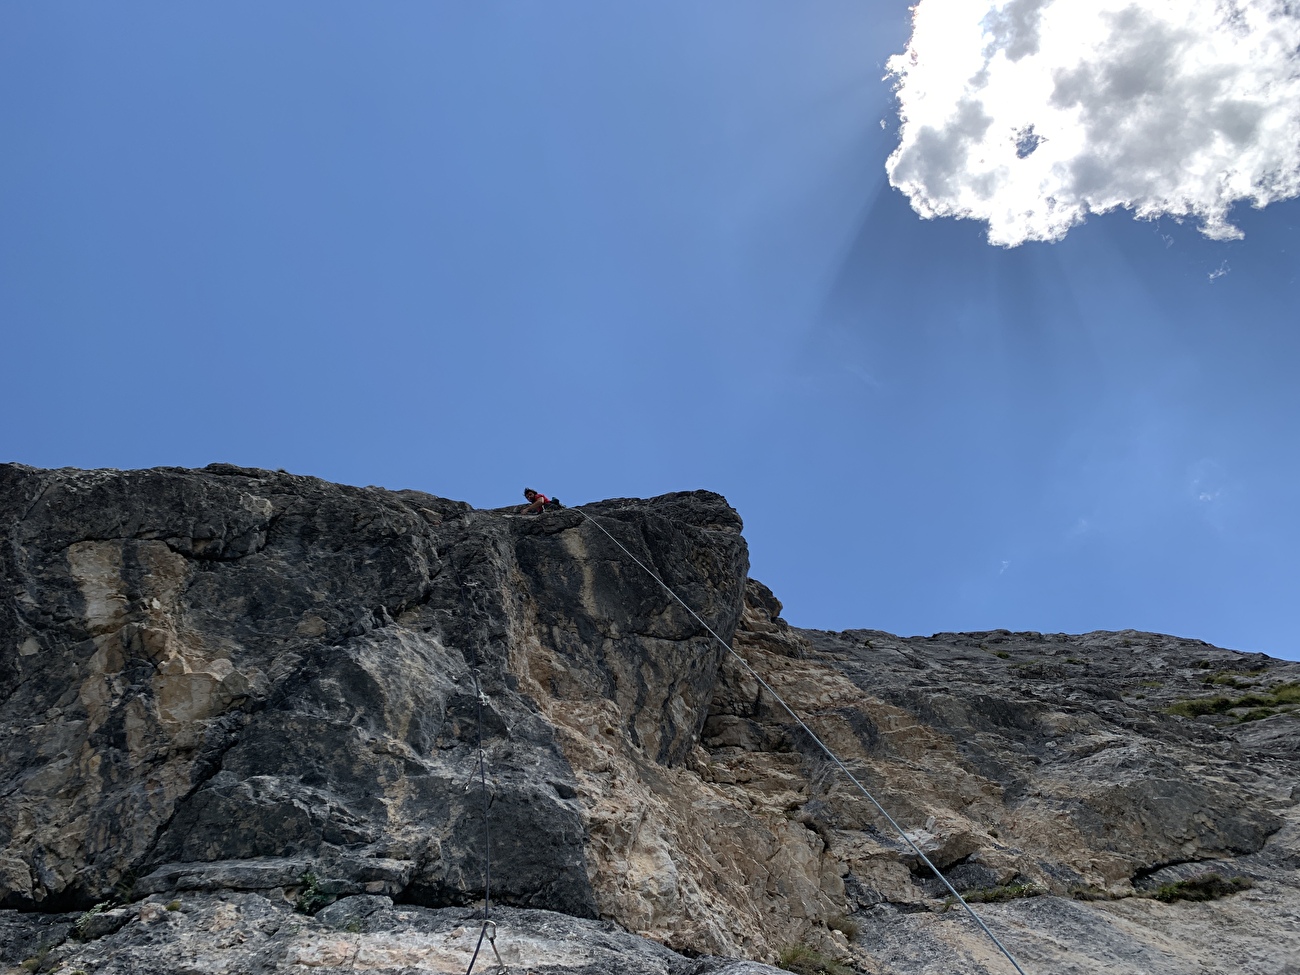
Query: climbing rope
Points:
[487, 835]
[811, 734]
[479, 697]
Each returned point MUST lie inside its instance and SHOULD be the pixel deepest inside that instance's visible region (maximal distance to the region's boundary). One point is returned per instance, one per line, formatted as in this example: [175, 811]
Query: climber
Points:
[536, 502]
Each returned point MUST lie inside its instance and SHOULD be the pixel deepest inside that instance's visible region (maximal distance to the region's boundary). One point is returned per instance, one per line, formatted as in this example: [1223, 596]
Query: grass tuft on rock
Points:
[1206, 887]
[1281, 696]
[83, 923]
[805, 960]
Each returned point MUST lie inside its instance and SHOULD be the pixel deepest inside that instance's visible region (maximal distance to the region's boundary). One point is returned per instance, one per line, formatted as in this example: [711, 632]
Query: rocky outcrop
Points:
[246, 932]
[1053, 778]
[246, 695]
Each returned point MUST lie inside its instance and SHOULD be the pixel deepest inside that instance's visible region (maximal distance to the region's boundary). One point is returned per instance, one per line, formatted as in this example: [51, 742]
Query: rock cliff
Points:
[242, 715]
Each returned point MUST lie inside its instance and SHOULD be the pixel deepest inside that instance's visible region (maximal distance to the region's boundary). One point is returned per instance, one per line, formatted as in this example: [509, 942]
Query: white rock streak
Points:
[1031, 114]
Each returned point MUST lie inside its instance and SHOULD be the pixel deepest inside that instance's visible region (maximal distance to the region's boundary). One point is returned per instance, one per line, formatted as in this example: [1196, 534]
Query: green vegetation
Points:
[1153, 683]
[1206, 887]
[34, 963]
[990, 895]
[311, 897]
[1230, 678]
[1198, 706]
[173, 905]
[1263, 704]
[1074, 660]
[804, 960]
[1287, 693]
[1224, 680]
[125, 887]
[1256, 714]
[83, 922]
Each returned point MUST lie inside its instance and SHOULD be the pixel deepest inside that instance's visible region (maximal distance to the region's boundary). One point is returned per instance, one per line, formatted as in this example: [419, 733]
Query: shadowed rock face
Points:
[237, 692]
[226, 666]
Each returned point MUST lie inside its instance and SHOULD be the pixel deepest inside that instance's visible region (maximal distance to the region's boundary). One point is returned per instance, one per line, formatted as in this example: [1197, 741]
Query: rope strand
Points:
[482, 777]
[820, 744]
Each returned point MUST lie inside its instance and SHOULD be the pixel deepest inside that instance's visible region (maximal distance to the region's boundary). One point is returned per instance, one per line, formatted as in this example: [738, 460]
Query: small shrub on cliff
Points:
[124, 888]
[803, 960]
[311, 898]
[1206, 887]
[83, 922]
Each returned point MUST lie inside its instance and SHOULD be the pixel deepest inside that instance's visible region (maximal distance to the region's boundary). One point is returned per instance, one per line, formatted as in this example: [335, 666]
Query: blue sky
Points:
[624, 249]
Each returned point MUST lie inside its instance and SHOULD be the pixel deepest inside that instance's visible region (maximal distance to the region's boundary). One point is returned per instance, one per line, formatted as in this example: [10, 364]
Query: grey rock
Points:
[28, 936]
[251, 933]
[254, 696]
[232, 666]
[351, 911]
[96, 923]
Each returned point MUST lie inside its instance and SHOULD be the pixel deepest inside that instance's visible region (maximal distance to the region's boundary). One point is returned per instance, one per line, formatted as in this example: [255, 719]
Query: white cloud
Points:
[1206, 480]
[1031, 114]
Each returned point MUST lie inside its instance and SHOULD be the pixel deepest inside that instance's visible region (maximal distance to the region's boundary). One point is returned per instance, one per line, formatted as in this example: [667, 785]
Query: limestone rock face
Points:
[233, 699]
[243, 672]
[249, 932]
